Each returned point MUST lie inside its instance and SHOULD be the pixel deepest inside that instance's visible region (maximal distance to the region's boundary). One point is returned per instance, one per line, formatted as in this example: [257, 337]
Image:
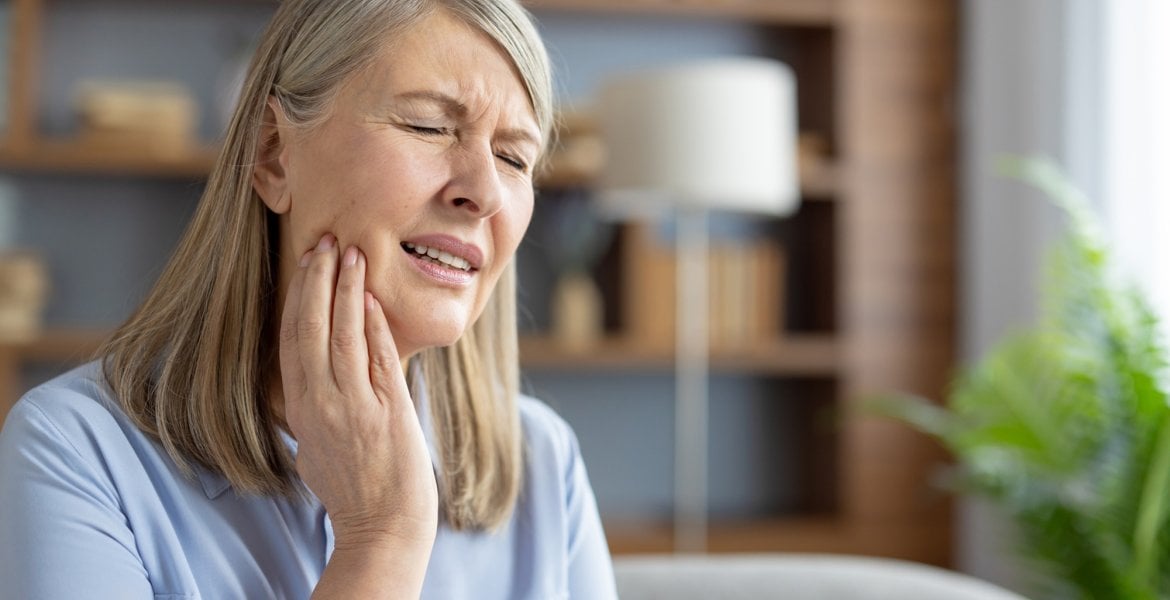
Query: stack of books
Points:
[745, 287]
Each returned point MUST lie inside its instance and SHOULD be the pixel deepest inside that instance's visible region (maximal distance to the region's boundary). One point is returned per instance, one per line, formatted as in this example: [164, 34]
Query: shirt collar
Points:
[213, 483]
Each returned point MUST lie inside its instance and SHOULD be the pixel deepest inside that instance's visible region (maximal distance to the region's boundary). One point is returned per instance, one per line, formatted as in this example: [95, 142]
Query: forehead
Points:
[443, 54]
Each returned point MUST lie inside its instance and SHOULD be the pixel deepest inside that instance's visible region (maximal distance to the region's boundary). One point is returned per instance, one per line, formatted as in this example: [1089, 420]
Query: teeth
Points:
[440, 256]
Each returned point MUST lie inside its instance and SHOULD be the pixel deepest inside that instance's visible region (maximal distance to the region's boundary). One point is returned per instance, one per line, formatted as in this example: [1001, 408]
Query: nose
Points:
[475, 185]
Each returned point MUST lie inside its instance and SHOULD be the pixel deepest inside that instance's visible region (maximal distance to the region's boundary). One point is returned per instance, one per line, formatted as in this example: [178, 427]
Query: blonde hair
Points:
[190, 366]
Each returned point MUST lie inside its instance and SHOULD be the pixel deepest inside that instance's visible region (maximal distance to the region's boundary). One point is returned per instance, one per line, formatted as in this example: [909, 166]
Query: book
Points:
[745, 286]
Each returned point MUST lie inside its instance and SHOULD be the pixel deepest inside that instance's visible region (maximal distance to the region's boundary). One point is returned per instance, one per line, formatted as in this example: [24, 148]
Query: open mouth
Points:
[437, 256]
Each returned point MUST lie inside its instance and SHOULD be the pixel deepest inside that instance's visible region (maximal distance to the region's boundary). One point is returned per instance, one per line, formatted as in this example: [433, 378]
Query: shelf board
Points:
[793, 355]
[775, 534]
[811, 355]
[58, 345]
[819, 181]
[806, 13]
[74, 157]
[821, 534]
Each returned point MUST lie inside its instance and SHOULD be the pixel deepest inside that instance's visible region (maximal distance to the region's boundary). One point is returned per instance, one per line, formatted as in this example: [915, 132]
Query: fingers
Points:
[290, 360]
[348, 339]
[385, 370]
[314, 312]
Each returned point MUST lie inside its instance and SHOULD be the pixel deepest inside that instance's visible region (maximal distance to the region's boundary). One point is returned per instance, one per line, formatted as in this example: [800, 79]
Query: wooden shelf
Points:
[810, 355]
[792, 534]
[72, 157]
[811, 534]
[807, 13]
[61, 345]
[819, 182]
[802, 356]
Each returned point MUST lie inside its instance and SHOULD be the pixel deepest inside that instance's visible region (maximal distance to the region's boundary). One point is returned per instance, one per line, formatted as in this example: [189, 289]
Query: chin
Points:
[435, 329]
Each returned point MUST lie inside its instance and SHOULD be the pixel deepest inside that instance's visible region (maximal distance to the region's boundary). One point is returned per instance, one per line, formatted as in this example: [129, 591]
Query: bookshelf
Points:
[72, 158]
[871, 288]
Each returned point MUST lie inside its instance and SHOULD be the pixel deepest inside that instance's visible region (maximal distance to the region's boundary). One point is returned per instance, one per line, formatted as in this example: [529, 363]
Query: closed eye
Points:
[428, 130]
[513, 162]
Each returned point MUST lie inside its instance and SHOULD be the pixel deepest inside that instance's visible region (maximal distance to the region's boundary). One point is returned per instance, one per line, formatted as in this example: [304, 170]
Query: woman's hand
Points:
[360, 448]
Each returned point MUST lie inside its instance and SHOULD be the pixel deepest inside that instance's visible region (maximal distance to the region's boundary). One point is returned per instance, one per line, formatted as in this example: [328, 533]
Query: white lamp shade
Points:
[718, 134]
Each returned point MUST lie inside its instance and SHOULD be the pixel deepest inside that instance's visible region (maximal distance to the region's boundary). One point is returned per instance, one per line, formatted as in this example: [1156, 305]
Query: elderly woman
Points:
[319, 396]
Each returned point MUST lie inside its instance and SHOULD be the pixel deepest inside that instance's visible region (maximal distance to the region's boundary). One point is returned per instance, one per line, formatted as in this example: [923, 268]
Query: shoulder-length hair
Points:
[191, 366]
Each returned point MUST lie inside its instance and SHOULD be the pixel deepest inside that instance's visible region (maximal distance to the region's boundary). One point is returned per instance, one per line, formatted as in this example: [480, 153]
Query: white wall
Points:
[1031, 86]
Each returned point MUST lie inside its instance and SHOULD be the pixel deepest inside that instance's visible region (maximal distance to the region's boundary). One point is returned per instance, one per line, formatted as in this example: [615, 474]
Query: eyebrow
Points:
[457, 108]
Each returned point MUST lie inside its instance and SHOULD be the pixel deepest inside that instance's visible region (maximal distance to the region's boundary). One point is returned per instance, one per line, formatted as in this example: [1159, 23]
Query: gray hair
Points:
[336, 38]
[191, 365]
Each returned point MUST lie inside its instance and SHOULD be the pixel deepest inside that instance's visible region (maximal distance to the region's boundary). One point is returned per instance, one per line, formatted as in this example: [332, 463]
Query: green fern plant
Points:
[1065, 427]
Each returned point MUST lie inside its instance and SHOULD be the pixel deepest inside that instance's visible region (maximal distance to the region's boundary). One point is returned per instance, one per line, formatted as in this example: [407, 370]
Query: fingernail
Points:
[350, 258]
[371, 304]
[305, 259]
[326, 243]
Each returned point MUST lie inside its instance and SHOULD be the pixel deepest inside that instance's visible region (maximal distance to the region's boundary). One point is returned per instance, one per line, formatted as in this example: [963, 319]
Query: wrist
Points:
[381, 566]
[384, 535]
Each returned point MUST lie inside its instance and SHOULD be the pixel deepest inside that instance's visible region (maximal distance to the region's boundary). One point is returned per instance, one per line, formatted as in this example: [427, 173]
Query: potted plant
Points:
[1065, 427]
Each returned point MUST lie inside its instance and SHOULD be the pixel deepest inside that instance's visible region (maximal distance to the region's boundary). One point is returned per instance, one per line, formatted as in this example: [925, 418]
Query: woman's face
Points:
[429, 151]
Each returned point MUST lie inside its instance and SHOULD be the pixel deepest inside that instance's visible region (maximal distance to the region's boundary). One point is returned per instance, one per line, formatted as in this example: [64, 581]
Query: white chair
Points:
[793, 577]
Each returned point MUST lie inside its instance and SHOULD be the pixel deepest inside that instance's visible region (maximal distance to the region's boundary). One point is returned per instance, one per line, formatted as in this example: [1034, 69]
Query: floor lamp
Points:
[717, 135]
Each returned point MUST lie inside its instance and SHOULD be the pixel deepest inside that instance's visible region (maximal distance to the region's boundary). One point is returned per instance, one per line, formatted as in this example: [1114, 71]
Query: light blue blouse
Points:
[92, 508]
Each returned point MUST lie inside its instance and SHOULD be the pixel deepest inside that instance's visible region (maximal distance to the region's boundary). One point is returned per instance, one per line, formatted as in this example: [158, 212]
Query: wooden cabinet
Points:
[872, 266]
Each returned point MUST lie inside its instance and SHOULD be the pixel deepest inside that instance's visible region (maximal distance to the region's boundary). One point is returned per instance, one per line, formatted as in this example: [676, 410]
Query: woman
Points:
[333, 343]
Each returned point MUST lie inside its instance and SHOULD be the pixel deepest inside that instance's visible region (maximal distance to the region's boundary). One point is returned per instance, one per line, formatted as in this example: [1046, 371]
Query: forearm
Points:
[383, 571]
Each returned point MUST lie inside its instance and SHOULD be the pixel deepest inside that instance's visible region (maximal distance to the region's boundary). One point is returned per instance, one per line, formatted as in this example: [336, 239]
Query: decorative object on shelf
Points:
[578, 313]
[23, 278]
[813, 148]
[23, 291]
[1066, 426]
[157, 117]
[576, 240]
[716, 135]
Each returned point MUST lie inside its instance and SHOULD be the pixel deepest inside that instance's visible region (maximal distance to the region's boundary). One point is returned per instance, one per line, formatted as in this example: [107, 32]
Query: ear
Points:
[270, 177]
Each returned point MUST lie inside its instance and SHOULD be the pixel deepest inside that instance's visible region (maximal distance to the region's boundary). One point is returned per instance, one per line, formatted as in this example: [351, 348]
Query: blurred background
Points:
[906, 258]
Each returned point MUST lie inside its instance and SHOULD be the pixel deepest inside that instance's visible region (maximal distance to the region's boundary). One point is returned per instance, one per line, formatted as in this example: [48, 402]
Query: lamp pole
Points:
[691, 375]
[711, 135]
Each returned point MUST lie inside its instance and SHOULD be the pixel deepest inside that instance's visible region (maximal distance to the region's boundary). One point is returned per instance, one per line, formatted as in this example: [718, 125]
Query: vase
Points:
[577, 312]
[23, 291]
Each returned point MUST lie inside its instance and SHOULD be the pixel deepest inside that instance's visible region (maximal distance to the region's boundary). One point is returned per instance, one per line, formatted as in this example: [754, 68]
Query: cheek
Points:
[515, 229]
[315, 213]
[357, 199]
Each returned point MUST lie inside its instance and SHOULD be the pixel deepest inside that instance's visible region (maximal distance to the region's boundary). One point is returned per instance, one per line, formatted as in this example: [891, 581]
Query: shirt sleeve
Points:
[590, 567]
[62, 531]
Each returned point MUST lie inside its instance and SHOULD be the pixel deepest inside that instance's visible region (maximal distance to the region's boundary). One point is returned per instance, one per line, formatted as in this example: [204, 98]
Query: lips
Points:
[438, 256]
[446, 251]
